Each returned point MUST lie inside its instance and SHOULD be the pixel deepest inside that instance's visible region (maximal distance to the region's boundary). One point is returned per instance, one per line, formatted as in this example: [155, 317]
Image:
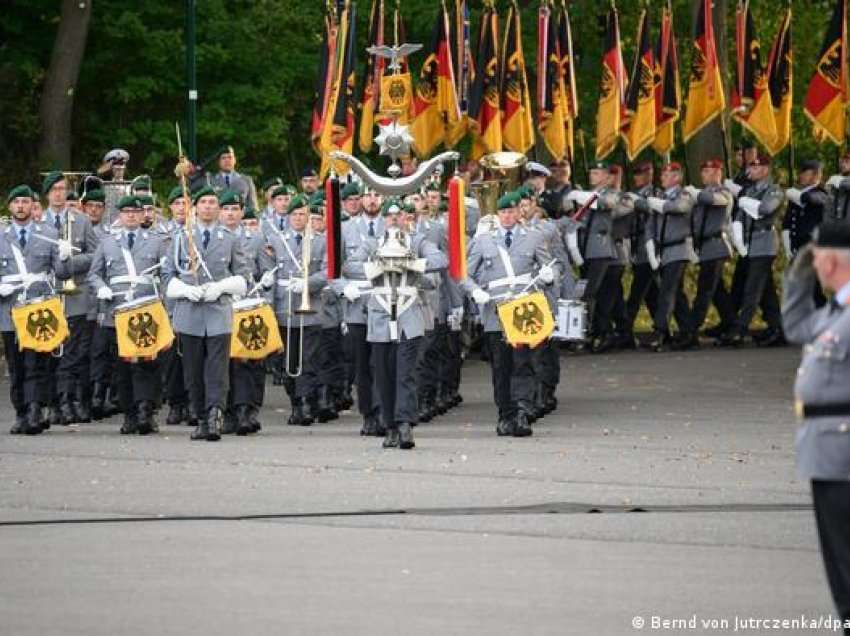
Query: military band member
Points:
[268, 187]
[349, 196]
[309, 181]
[502, 261]
[123, 269]
[710, 227]
[758, 206]
[203, 311]
[26, 265]
[395, 320]
[671, 245]
[77, 243]
[301, 332]
[227, 178]
[247, 377]
[823, 439]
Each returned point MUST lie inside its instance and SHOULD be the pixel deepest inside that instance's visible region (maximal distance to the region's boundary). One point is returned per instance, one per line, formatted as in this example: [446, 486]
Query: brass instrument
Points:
[69, 287]
[304, 308]
[189, 224]
[501, 174]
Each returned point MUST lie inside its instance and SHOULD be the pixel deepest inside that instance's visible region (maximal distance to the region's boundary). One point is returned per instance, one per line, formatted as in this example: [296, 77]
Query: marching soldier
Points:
[500, 262]
[228, 179]
[710, 226]
[301, 331]
[396, 324]
[672, 242]
[268, 187]
[309, 181]
[77, 244]
[823, 439]
[757, 210]
[26, 265]
[247, 377]
[349, 196]
[204, 271]
[123, 268]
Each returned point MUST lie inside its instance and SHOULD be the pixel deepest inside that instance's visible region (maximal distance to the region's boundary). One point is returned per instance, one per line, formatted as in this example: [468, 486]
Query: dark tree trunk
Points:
[57, 100]
[708, 143]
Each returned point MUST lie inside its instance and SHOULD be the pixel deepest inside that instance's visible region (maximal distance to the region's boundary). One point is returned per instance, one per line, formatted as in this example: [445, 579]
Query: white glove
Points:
[750, 206]
[372, 270]
[693, 191]
[793, 195]
[546, 274]
[177, 289]
[455, 319]
[572, 247]
[296, 285]
[29, 279]
[233, 285]
[480, 296]
[786, 243]
[733, 187]
[104, 293]
[267, 280]
[656, 204]
[351, 292]
[579, 196]
[65, 249]
[738, 238]
[835, 180]
[212, 292]
[7, 289]
[651, 256]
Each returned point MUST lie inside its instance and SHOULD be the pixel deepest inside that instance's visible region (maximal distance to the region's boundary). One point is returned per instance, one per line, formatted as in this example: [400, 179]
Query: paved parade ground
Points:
[687, 459]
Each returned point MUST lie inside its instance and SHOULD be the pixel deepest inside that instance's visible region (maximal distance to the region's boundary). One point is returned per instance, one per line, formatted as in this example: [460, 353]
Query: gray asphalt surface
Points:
[468, 534]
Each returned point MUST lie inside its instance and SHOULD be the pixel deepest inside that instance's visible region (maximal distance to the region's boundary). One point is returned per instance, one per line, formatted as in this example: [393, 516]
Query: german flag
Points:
[324, 82]
[668, 93]
[706, 99]
[338, 132]
[464, 70]
[780, 80]
[374, 72]
[484, 100]
[751, 104]
[550, 85]
[826, 98]
[447, 96]
[517, 118]
[640, 98]
[612, 90]
[565, 48]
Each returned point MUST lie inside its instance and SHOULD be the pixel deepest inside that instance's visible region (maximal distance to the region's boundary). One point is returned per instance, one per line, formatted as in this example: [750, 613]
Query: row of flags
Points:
[479, 86]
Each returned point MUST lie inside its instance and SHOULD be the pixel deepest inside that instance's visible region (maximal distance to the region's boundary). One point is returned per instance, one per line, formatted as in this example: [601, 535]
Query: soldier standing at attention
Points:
[823, 439]
[203, 279]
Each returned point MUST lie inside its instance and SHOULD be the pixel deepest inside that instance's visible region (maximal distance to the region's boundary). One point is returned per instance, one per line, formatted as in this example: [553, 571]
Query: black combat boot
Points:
[243, 420]
[202, 428]
[424, 413]
[20, 426]
[303, 413]
[345, 399]
[131, 422]
[405, 436]
[176, 414]
[522, 426]
[110, 404]
[97, 396]
[144, 418]
[35, 422]
[229, 427]
[505, 427]
[254, 419]
[82, 406]
[324, 407]
[66, 410]
[215, 421]
[392, 438]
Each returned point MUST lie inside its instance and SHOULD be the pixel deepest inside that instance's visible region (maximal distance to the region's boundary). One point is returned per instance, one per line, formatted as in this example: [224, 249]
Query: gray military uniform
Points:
[238, 182]
[672, 228]
[710, 223]
[39, 257]
[760, 234]
[83, 237]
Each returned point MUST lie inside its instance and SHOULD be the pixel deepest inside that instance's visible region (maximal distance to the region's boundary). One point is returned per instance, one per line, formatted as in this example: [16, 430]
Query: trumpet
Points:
[304, 308]
[69, 287]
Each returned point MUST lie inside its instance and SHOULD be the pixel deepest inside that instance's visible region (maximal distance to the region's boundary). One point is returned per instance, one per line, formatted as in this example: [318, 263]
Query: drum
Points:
[572, 321]
[40, 324]
[142, 329]
[526, 319]
[255, 334]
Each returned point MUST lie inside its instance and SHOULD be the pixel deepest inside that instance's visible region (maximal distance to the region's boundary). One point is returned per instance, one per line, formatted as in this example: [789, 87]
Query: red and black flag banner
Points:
[827, 96]
[324, 81]
[668, 93]
[517, 118]
[374, 74]
[550, 84]
[484, 114]
[427, 127]
[464, 70]
[751, 104]
[706, 99]
[639, 131]
[333, 229]
[780, 80]
[568, 77]
[612, 89]
[457, 229]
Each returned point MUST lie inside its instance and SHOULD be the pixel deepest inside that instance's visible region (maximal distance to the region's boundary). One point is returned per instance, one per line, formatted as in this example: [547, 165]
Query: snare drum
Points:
[40, 324]
[572, 321]
[255, 334]
[142, 329]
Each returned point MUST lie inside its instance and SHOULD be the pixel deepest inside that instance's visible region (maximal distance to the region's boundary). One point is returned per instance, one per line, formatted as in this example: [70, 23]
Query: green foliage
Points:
[257, 62]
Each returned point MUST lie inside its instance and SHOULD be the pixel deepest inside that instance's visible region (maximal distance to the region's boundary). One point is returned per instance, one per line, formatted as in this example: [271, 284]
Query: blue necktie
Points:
[57, 222]
[280, 224]
[227, 180]
[206, 238]
[298, 238]
[508, 238]
[131, 238]
[371, 228]
[23, 239]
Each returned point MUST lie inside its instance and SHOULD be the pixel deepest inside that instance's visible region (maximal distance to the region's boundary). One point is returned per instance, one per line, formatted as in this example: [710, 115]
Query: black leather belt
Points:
[673, 243]
[822, 410]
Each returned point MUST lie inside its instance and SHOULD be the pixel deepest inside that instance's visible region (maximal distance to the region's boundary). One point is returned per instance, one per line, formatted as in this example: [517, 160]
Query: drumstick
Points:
[54, 241]
[256, 287]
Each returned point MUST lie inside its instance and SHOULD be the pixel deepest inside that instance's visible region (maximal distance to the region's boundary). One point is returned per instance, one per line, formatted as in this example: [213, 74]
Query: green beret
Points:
[249, 214]
[229, 197]
[282, 191]
[409, 208]
[130, 201]
[316, 210]
[176, 193]
[291, 189]
[203, 192]
[142, 183]
[525, 192]
[272, 183]
[432, 187]
[299, 201]
[22, 191]
[145, 199]
[350, 190]
[508, 200]
[94, 195]
[318, 198]
[51, 180]
[390, 206]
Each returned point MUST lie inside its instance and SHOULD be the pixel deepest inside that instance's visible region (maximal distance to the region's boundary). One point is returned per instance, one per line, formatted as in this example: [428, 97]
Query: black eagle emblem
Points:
[253, 332]
[528, 318]
[829, 65]
[42, 324]
[142, 330]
